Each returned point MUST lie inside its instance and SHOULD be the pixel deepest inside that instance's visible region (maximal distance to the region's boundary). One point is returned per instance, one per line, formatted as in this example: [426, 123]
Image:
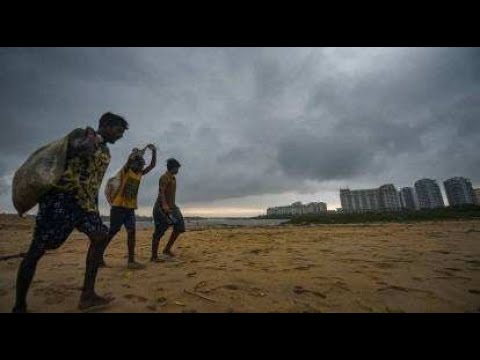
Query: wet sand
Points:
[422, 267]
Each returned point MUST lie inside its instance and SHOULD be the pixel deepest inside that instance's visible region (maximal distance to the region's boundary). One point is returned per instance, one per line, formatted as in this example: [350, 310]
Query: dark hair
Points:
[172, 163]
[109, 119]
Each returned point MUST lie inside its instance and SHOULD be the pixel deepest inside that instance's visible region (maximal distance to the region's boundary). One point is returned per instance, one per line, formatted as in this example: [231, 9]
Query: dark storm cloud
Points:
[256, 121]
[424, 101]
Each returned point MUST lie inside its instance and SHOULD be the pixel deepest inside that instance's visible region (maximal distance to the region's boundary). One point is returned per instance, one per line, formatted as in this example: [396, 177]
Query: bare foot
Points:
[88, 302]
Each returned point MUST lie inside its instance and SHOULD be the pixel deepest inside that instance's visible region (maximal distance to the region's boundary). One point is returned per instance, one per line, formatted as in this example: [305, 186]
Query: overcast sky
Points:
[253, 127]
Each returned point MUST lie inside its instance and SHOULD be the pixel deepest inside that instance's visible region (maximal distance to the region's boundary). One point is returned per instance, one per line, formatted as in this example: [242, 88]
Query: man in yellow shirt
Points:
[124, 201]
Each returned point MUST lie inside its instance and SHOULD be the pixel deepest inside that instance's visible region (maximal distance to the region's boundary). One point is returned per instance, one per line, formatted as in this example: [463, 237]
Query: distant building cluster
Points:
[425, 194]
[297, 208]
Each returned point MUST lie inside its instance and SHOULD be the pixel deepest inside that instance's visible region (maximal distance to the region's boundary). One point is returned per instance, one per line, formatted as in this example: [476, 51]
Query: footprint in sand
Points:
[135, 297]
[231, 287]
[474, 291]
[305, 267]
[404, 289]
[326, 251]
[473, 262]
[443, 272]
[393, 287]
[384, 265]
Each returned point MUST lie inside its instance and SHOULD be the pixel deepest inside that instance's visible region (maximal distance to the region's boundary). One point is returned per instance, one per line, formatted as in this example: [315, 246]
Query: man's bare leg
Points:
[111, 235]
[155, 243]
[171, 241]
[156, 236]
[88, 297]
[25, 275]
[132, 264]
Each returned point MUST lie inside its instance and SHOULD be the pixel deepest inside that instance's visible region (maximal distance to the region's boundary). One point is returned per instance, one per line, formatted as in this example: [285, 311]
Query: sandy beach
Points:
[421, 267]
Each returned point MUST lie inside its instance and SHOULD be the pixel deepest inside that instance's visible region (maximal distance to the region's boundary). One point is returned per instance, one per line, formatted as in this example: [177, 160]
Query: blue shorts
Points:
[121, 216]
[58, 215]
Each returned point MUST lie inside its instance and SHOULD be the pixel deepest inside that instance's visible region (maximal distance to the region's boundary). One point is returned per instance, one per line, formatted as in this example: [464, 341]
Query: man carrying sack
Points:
[71, 202]
[122, 192]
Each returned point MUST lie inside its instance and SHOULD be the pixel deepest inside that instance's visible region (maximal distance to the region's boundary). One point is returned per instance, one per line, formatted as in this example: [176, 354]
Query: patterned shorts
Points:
[58, 215]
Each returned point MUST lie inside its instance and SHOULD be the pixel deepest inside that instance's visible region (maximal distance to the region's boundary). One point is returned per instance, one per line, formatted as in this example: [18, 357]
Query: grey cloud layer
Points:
[254, 121]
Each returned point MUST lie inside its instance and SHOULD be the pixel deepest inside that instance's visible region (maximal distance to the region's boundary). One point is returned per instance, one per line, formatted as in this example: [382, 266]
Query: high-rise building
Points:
[428, 193]
[407, 198]
[359, 200]
[384, 198]
[477, 196]
[459, 191]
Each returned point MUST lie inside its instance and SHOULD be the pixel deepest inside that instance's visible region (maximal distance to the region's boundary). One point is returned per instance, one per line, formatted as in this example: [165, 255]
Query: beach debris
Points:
[315, 309]
[7, 257]
[199, 295]
[258, 294]
[301, 290]
[161, 299]
[199, 285]
[179, 303]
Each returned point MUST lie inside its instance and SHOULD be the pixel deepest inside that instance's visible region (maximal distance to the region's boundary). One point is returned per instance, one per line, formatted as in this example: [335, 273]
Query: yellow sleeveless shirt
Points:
[127, 193]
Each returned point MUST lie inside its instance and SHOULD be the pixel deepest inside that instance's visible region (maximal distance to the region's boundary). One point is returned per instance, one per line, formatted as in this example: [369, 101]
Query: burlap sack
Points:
[38, 174]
